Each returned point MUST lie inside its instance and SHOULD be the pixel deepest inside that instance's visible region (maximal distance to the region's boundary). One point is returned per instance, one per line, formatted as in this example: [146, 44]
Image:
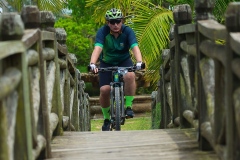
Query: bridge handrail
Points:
[42, 93]
[199, 85]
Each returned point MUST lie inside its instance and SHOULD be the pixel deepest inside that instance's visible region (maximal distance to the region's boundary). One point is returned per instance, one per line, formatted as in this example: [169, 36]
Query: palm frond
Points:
[152, 24]
[220, 8]
[51, 5]
[173, 3]
[43, 5]
[101, 6]
[17, 5]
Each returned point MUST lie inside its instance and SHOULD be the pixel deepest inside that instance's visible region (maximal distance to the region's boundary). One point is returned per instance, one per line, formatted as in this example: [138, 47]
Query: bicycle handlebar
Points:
[115, 68]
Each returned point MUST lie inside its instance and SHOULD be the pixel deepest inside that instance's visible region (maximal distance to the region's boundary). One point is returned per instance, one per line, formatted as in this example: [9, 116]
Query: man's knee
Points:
[130, 76]
[105, 90]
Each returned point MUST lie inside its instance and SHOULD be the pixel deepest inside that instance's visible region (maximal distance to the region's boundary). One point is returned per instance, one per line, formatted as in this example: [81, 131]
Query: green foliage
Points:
[79, 11]
[77, 7]
[83, 69]
[144, 90]
[79, 38]
[220, 9]
[156, 116]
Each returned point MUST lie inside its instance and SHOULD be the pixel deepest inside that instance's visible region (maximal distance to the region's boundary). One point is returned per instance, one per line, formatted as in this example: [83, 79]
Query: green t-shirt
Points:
[115, 50]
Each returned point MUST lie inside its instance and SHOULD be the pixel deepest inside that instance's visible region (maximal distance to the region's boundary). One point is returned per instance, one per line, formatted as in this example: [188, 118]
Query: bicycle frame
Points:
[117, 103]
[117, 109]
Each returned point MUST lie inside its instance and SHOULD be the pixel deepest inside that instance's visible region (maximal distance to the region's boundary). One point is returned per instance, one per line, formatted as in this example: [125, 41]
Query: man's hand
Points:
[93, 68]
[139, 66]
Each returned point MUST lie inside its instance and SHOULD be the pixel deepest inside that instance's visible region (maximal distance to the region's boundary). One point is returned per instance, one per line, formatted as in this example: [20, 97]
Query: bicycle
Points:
[117, 109]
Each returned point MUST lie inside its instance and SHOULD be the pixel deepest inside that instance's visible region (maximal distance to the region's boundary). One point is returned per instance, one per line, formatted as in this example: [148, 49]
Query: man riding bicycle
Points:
[112, 45]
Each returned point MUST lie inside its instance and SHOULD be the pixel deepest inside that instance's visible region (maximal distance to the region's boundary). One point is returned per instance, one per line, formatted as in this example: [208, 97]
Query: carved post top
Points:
[204, 9]
[61, 35]
[182, 14]
[73, 58]
[11, 27]
[232, 16]
[47, 21]
[31, 17]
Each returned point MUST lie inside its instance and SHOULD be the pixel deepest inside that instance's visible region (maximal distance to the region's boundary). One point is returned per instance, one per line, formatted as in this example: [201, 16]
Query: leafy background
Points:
[150, 19]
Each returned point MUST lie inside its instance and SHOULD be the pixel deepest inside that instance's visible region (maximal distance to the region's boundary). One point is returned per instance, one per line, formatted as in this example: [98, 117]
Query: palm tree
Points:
[55, 6]
[102, 6]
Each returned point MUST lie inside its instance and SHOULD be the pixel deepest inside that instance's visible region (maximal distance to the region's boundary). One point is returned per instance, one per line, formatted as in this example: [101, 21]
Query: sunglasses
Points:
[113, 21]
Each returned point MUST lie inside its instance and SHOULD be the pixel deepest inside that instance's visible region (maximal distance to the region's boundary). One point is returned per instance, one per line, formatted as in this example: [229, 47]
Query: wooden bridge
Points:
[44, 110]
[171, 144]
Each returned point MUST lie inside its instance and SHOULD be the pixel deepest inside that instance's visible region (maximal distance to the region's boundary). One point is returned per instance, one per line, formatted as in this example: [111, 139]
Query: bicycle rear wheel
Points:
[117, 109]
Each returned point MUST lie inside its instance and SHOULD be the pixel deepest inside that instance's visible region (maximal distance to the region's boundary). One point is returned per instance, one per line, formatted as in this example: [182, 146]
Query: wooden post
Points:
[12, 29]
[47, 40]
[175, 102]
[67, 98]
[81, 104]
[163, 102]
[32, 20]
[157, 111]
[182, 15]
[165, 77]
[232, 139]
[75, 110]
[204, 10]
[56, 102]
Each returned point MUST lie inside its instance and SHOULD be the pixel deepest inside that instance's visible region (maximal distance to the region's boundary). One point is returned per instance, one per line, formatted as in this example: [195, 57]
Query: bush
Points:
[79, 38]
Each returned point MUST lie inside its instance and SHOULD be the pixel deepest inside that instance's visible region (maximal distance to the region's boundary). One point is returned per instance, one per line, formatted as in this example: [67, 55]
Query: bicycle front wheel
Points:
[117, 109]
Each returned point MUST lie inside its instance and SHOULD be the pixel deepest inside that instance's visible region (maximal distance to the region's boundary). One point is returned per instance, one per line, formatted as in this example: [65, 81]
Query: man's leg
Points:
[104, 99]
[130, 84]
[129, 90]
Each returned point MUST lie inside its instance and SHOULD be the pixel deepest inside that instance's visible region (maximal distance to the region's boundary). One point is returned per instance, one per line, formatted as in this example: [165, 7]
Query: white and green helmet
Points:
[113, 14]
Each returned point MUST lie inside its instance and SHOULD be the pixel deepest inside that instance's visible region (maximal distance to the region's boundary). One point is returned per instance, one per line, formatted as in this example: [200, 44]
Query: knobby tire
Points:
[117, 109]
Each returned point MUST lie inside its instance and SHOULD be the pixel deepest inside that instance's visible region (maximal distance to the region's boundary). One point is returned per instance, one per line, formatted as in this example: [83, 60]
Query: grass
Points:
[136, 123]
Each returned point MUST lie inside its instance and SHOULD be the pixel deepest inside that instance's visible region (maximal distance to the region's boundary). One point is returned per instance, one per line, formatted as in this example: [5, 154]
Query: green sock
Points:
[128, 101]
[106, 113]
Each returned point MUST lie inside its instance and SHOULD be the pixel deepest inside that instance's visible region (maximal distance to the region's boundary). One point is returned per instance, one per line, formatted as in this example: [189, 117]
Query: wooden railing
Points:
[41, 91]
[200, 78]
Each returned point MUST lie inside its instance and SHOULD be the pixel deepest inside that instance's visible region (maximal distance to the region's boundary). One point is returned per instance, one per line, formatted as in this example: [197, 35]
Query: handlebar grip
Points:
[143, 65]
[88, 68]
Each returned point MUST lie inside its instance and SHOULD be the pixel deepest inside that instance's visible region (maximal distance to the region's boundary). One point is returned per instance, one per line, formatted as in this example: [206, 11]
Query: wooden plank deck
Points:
[170, 144]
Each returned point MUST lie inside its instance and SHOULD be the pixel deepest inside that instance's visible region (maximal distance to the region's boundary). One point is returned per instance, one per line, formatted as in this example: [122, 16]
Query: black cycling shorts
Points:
[106, 77]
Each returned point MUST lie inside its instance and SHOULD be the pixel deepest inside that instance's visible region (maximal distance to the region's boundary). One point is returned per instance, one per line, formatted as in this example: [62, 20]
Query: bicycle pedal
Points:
[128, 117]
[122, 121]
